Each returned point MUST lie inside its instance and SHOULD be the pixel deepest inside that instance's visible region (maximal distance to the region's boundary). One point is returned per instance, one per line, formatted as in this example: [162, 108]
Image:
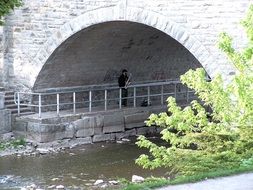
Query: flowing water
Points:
[75, 168]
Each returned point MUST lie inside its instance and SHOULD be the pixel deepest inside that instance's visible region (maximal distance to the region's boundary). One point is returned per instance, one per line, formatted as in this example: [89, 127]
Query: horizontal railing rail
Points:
[147, 93]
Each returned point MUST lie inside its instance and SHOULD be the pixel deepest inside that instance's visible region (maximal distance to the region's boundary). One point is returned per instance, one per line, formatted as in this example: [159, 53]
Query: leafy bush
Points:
[201, 139]
[12, 144]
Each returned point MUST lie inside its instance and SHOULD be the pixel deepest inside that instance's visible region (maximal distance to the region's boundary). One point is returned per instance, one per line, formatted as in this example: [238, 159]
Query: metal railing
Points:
[163, 89]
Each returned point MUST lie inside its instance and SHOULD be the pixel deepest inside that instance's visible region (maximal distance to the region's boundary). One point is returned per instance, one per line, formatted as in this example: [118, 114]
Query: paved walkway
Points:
[238, 182]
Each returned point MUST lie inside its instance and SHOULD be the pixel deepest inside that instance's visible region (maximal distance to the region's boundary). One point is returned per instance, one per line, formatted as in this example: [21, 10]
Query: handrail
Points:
[105, 99]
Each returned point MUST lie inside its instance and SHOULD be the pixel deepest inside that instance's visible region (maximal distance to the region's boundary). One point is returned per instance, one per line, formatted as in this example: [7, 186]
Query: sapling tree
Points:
[200, 139]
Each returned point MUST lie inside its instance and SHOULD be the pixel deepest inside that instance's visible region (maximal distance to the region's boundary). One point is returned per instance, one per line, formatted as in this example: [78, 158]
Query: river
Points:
[76, 168]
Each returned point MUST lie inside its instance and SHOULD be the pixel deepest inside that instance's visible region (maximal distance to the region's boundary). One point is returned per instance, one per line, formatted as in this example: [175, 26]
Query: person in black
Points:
[123, 81]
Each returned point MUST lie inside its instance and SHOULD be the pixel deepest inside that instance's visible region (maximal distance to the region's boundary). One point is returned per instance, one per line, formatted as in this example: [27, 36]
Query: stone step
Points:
[1, 89]
[9, 97]
[10, 106]
[9, 93]
[23, 113]
[22, 110]
[9, 102]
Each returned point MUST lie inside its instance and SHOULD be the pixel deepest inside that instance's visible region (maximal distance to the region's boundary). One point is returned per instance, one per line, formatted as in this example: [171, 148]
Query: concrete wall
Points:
[37, 29]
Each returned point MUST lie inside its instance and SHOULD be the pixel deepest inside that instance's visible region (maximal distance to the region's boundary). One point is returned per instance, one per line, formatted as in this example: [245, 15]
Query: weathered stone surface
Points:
[125, 134]
[40, 137]
[2, 95]
[86, 126]
[86, 140]
[69, 131]
[78, 124]
[131, 132]
[6, 136]
[85, 132]
[104, 137]
[113, 122]
[20, 125]
[5, 121]
[145, 130]
[136, 120]
[45, 128]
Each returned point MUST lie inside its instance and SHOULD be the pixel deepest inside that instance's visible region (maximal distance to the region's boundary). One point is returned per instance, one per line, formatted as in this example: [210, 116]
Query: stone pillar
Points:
[5, 116]
[1, 56]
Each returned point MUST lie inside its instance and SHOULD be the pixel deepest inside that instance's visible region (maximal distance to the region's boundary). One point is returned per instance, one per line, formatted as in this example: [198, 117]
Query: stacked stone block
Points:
[91, 128]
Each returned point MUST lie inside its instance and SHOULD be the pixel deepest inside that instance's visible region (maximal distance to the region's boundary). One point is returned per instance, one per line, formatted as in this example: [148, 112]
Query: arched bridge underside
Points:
[95, 46]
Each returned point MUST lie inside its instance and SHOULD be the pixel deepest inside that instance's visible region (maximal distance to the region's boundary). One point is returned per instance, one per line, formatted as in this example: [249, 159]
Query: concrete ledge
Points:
[111, 125]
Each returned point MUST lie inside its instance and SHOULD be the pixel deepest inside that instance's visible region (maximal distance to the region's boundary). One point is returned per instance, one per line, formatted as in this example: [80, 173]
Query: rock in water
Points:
[125, 140]
[137, 179]
[99, 181]
[113, 182]
[43, 150]
[60, 187]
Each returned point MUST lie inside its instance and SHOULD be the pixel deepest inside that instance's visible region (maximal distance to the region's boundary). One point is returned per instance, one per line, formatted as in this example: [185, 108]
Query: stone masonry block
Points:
[85, 132]
[85, 127]
[136, 120]
[86, 140]
[20, 126]
[5, 121]
[145, 130]
[69, 131]
[113, 123]
[126, 134]
[79, 124]
[104, 137]
[131, 132]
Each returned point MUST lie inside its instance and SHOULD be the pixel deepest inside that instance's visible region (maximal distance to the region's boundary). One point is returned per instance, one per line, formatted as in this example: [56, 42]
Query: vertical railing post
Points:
[148, 95]
[105, 99]
[187, 95]
[39, 105]
[58, 104]
[134, 96]
[175, 91]
[90, 100]
[162, 94]
[120, 98]
[74, 102]
[18, 104]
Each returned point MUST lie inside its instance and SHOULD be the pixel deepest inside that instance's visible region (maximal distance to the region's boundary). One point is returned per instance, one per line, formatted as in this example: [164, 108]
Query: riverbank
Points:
[11, 145]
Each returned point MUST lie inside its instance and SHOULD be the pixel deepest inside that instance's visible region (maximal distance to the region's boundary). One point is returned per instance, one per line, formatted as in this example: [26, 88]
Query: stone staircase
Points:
[10, 104]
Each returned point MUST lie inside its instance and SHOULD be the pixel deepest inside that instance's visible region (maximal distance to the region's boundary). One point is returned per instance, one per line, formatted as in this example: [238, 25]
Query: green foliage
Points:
[6, 6]
[149, 183]
[12, 144]
[201, 139]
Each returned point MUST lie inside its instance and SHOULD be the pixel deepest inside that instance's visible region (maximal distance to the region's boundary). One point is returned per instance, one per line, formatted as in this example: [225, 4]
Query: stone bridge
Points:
[51, 45]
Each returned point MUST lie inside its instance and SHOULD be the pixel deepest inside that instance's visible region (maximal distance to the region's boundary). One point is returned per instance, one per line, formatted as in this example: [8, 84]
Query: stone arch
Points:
[123, 13]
